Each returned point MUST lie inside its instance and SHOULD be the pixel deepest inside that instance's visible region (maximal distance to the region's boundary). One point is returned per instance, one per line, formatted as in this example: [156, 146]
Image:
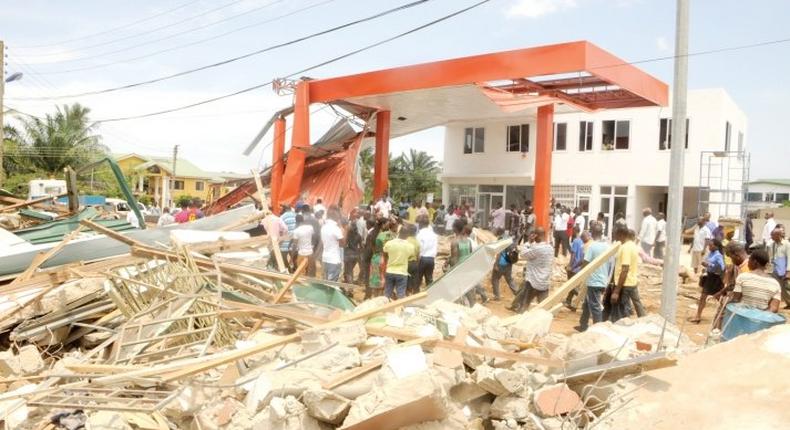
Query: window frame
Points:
[727, 136]
[471, 142]
[176, 183]
[586, 133]
[662, 140]
[617, 123]
[202, 186]
[565, 135]
[521, 135]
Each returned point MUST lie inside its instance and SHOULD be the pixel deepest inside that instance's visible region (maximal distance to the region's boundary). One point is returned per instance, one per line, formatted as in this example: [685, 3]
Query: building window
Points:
[199, 186]
[781, 197]
[560, 136]
[585, 136]
[178, 185]
[665, 133]
[517, 138]
[474, 139]
[740, 141]
[754, 197]
[615, 134]
[727, 135]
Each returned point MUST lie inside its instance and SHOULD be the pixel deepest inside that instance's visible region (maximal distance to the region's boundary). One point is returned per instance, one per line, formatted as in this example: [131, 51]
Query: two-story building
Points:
[611, 161]
[155, 176]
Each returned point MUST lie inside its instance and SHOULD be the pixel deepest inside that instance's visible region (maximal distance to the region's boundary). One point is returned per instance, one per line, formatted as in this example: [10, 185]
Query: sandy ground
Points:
[649, 290]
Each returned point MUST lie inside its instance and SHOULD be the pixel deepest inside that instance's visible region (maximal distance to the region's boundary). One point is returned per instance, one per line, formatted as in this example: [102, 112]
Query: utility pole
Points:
[173, 179]
[676, 167]
[2, 124]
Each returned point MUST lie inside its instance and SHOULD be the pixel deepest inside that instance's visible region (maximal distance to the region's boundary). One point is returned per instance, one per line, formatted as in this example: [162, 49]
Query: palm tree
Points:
[65, 138]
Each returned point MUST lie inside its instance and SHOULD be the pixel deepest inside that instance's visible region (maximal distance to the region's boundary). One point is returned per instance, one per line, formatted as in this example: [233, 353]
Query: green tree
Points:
[413, 175]
[65, 138]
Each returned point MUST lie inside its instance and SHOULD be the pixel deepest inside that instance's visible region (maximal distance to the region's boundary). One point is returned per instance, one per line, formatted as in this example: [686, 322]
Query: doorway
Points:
[614, 200]
[489, 197]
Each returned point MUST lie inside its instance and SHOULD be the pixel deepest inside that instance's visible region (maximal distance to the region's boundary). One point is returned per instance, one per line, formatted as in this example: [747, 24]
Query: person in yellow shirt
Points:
[626, 277]
[412, 213]
[396, 260]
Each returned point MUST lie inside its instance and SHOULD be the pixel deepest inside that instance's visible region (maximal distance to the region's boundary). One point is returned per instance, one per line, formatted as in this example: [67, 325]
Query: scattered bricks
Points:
[536, 322]
[499, 382]
[326, 406]
[510, 407]
[30, 360]
[9, 364]
[333, 360]
[284, 414]
[106, 420]
[218, 413]
[555, 400]
[474, 360]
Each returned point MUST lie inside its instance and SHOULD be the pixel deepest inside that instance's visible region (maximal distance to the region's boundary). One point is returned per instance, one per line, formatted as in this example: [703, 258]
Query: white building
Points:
[767, 193]
[611, 161]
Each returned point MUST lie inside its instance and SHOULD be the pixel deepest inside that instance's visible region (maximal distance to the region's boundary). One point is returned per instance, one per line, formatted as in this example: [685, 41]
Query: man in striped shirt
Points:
[757, 288]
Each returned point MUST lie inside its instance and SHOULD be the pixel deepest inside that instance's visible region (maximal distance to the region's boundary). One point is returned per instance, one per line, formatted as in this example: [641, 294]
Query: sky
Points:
[65, 48]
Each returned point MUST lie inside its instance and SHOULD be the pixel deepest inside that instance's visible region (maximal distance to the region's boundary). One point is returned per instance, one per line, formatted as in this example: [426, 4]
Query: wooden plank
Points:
[265, 206]
[226, 245]
[111, 233]
[29, 203]
[297, 273]
[42, 258]
[560, 293]
[352, 374]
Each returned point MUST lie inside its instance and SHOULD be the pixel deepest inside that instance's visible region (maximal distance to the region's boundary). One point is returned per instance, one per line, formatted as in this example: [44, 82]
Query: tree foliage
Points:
[47, 145]
[412, 175]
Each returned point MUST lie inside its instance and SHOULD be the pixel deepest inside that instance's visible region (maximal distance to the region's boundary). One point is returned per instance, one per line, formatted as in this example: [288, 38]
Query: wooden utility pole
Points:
[2, 124]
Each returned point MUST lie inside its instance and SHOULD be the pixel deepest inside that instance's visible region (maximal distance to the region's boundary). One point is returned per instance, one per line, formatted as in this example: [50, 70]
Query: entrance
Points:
[489, 197]
[614, 200]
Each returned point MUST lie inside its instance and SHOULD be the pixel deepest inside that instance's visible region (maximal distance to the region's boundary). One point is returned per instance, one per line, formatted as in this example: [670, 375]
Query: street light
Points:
[14, 77]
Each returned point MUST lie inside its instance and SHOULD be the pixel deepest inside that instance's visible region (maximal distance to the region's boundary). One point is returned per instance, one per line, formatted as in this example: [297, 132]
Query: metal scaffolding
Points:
[723, 183]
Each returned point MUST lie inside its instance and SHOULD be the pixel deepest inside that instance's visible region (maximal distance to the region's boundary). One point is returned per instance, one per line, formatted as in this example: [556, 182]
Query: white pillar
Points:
[140, 183]
[165, 192]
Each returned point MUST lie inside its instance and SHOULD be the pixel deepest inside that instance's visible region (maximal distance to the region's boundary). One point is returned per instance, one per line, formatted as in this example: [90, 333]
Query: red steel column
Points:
[542, 193]
[300, 138]
[278, 168]
[381, 156]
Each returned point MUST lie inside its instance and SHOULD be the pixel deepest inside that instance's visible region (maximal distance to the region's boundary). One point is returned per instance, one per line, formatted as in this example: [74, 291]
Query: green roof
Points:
[771, 181]
[184, 168]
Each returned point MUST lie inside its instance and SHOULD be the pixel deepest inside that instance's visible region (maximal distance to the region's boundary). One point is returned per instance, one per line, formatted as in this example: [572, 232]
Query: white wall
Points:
[643, 164]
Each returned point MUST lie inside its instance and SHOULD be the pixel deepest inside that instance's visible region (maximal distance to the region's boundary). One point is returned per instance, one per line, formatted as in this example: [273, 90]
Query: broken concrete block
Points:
[9, 364]
[589, 348]
[499, 382]
[326, 406]
[466, 391]
[474, 360]
[284, 414]
[508, 424]
[532, 324]
[399, 403]
[106, 420]
[218, 414]
[30, 360]
[510, 407]
[555, 400]
[333, 360]
[493, 329]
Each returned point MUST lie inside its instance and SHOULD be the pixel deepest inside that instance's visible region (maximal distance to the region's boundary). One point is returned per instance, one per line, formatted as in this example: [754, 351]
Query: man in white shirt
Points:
[647, 234]
[701, 237]
[498, 216]
[319, 207]
[383, 208]
[302, 240]
[450, 220]
[560, 224]
[770, 225]
[579, 220]
[165, 218]
[661, 237]
[131, 218]
[429, 244]
[332, 238]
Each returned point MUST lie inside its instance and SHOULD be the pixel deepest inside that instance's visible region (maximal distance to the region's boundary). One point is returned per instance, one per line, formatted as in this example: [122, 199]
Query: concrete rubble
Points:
[171, 338]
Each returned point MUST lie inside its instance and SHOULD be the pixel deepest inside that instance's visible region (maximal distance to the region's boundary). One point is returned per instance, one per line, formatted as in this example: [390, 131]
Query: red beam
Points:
[381, 155]
[300, 139]
[278, 168]
[545, 138]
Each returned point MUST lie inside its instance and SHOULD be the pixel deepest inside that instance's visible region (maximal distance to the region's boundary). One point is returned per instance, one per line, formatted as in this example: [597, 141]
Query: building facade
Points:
[610, 161]
[768, 193]
[153, 176]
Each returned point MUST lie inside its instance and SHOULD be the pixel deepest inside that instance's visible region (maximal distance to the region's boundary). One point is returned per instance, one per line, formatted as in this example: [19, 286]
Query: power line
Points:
[151, 42]
[338, 58]
[193, 43]
[237, 58]
[147, 32]
[112, 30]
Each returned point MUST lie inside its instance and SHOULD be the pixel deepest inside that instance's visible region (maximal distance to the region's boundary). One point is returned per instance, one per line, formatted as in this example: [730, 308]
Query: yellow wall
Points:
[189, 188]
[129, 163]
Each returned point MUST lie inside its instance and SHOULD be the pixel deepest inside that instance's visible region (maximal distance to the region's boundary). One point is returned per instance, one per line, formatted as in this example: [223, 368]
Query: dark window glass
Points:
[560, 136]
[480, 134]
[468, 137]
[623, 135]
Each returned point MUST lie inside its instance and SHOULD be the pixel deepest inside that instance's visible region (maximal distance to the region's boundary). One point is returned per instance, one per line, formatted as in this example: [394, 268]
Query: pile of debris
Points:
[179, 337]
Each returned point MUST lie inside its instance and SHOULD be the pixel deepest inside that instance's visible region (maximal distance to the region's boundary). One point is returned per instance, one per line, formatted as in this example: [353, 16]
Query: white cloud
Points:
[662, 44]
[538, 8]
